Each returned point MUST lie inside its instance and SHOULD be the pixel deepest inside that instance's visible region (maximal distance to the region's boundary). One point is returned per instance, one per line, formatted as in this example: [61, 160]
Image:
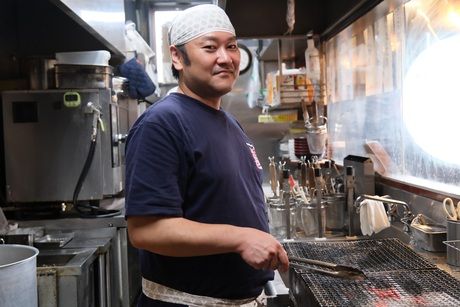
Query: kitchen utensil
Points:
[452, 211]
[328, 268]
[273, 177]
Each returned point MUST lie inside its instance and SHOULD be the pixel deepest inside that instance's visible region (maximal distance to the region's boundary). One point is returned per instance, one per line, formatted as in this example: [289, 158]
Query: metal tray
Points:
[53, 240]
[430, 237]
[455, 244]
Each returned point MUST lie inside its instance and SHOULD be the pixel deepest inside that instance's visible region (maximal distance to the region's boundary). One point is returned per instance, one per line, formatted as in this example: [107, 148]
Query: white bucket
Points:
[18, 275]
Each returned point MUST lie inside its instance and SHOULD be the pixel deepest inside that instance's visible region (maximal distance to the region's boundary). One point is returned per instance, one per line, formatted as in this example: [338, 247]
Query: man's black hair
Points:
[183, 52]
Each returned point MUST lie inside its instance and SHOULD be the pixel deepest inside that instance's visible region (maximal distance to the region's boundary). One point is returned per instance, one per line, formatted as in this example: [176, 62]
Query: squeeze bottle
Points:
[312, 66]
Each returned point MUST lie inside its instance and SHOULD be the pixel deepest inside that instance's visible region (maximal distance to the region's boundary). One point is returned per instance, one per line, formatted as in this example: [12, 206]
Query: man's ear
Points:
[176, 58]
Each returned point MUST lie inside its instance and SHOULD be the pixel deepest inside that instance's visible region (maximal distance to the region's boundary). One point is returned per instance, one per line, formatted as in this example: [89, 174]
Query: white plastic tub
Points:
[98, 57]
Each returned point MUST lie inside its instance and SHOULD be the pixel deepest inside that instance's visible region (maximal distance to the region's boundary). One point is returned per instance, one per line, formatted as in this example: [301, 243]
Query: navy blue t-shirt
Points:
[187, 159]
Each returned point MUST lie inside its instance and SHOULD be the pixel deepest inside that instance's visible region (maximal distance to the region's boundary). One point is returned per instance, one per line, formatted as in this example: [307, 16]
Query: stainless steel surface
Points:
[23, 239]
[453, 234]
[100, 239]
[277, 217]
[277, 292]
[83, 76]
[18, 280]
[428, 235]
[47, 144]
[126, 283]
[53, 240]
[103, 19]
[353, 226]
[309, 218]
[47, 290]
[286, 196]
[335, 211]
[319, 208]
[363, 172]
[73, 271]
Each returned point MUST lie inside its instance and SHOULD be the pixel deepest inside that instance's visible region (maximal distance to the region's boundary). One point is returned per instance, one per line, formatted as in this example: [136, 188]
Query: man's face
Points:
[214, 64]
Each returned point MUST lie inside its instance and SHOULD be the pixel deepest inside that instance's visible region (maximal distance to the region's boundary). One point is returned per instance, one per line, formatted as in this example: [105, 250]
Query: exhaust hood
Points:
[44, 27]
[105, 20]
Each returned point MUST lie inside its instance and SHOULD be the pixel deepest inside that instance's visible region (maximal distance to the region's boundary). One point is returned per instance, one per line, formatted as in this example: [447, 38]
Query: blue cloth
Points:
[140, 85]
[187, 159]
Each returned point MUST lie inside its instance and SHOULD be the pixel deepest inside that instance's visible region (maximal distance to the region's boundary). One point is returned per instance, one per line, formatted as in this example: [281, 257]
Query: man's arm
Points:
[179, 237]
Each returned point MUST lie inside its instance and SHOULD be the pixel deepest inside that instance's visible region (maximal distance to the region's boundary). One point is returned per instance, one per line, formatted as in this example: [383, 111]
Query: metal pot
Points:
[309, 218]
[277, 218]
[18, 277]
[335, 213]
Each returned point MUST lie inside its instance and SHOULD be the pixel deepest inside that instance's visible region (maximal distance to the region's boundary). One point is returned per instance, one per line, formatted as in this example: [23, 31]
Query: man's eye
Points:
[232, 47]
[209, 47]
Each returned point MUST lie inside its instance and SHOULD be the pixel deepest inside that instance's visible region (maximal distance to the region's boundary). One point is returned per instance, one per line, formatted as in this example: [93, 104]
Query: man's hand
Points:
[262, 251]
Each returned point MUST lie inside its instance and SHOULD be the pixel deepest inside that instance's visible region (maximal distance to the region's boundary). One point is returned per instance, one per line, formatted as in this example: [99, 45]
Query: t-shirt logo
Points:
[254, 155]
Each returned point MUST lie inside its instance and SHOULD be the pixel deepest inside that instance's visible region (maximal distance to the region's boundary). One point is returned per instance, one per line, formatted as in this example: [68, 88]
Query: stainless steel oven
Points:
[47, 139]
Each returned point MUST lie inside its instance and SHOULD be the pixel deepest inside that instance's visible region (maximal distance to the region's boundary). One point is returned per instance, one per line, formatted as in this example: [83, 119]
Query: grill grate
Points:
[408, 288]
[367, 255]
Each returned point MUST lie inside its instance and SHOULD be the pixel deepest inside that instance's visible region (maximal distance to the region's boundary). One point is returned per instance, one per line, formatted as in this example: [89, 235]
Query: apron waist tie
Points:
[159, 292]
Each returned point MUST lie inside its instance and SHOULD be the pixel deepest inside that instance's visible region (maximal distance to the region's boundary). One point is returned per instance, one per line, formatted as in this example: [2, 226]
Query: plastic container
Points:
[98, 58]
[312, 63]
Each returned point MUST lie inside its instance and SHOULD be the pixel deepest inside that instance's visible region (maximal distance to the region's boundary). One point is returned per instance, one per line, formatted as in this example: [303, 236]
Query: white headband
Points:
[197, 21]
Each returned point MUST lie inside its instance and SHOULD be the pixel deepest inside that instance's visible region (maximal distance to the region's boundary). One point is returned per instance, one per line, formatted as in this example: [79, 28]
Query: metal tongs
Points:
[333, 269]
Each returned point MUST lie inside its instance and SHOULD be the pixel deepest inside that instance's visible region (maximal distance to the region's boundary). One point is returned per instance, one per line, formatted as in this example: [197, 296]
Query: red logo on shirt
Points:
[254, 155]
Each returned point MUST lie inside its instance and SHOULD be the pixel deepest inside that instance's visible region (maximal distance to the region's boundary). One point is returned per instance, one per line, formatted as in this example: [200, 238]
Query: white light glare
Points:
[431, 99]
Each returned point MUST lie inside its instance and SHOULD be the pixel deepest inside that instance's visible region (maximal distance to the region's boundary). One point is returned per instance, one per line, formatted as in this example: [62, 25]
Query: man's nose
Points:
[223, 55]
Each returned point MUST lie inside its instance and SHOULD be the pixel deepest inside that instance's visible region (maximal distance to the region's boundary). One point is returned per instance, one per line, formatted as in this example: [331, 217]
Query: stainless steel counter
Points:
[114, 255]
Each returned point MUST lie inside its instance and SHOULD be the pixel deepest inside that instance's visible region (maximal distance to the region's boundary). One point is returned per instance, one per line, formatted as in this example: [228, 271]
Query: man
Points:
[194, 203]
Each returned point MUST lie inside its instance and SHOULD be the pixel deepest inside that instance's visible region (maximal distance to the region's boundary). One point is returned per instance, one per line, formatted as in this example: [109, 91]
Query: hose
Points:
[86, 210]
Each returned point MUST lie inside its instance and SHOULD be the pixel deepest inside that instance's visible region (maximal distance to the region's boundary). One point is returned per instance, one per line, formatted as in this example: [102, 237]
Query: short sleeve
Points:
[153, 172]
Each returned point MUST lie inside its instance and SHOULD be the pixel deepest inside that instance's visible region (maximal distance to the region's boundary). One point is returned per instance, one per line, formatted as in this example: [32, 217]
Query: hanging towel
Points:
[373, 217]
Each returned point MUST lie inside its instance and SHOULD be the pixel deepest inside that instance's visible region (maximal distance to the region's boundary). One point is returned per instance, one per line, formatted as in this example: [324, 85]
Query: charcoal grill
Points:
[396, 276]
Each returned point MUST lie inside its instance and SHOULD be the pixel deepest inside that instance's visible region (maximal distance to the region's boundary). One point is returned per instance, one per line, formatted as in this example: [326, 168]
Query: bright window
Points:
[393, 91]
